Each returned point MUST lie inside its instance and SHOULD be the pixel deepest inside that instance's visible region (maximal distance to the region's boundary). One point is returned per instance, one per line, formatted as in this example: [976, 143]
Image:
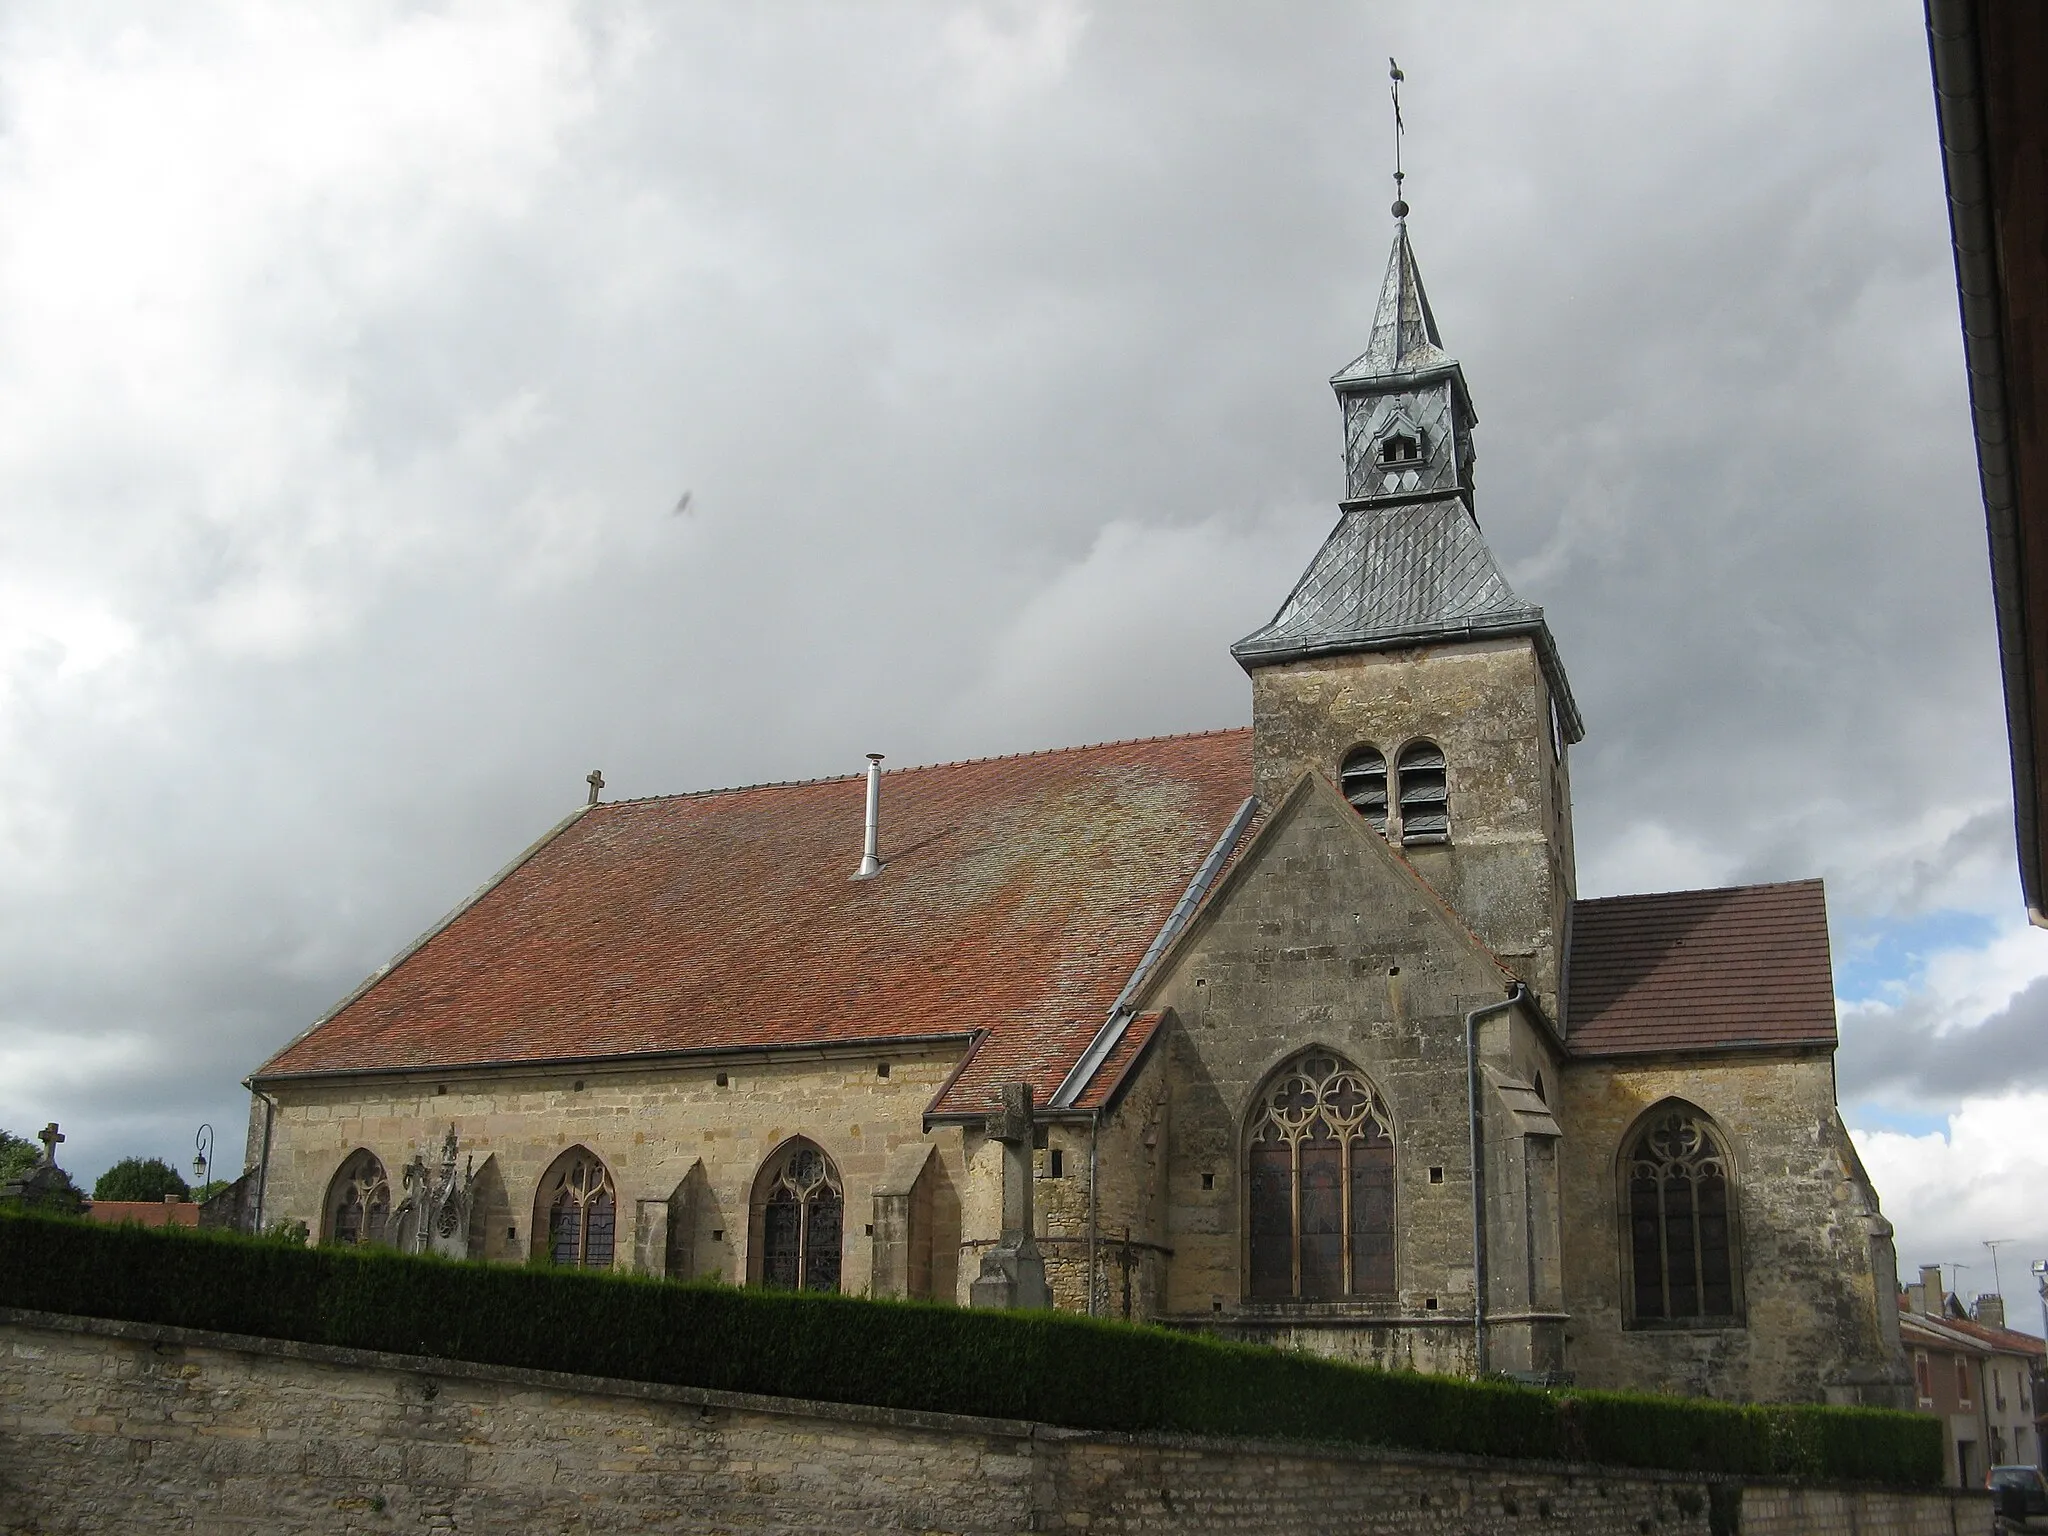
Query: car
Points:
[2018, 1492]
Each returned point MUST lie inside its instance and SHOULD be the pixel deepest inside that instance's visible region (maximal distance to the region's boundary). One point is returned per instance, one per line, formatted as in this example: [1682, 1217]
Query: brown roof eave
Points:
[1956, 57]
[823, 1048]
[1693, 1053]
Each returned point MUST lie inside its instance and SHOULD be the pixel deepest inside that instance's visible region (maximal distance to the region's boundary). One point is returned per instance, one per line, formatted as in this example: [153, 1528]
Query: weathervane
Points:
[1394, 74]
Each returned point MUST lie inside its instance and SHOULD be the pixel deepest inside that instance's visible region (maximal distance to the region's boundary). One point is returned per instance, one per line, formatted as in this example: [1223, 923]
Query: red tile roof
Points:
[1018, 895]
[2005, 1340]
[1109, 1079]
[1701, 970]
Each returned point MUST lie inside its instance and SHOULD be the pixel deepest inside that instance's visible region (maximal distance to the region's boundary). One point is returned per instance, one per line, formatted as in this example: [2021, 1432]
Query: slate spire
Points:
[1406, 564]
[1404, 334]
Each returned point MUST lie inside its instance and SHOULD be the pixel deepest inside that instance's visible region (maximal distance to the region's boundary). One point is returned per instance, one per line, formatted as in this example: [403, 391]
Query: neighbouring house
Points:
[1975, 1373]
[1297, 1034]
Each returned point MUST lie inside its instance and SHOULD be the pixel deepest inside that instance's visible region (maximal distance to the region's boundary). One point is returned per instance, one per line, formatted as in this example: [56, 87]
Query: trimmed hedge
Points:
[1051, 1367]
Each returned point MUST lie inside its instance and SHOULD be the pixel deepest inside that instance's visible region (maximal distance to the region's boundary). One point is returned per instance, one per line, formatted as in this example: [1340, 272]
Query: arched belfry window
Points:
[580, 1209]
[1681, 1220]
[358, 1206]
[803, 1209]
[1425, 794]
[1363, 778]
[1320, 1175]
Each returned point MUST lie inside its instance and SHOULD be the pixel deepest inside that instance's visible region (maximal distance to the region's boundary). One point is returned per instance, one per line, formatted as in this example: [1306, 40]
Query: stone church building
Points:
[1321, 1047]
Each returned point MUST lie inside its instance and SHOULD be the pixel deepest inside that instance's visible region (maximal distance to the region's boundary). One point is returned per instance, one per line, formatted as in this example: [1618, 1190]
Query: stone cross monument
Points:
[1013, 1272]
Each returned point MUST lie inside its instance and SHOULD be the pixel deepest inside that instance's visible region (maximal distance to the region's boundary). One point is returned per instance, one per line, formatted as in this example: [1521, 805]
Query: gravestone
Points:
[46, 1187]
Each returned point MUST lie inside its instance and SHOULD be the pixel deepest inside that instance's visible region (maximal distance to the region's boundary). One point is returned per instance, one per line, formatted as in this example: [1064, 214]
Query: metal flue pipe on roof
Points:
[870, 857]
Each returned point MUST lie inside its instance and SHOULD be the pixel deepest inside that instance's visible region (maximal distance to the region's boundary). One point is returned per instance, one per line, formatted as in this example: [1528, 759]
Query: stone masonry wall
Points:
[1802, 1235]
[651, 1125]
[1320, 937]
[115, 1428]
[1508, 867]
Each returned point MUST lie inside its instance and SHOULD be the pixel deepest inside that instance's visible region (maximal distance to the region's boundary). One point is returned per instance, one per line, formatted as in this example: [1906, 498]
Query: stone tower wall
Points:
[1508, 867]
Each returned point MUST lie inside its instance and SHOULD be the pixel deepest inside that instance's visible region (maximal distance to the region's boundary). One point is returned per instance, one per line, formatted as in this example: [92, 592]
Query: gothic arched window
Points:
[581, 1210]
[1425, 794]
[1363, 778]
[1681, 1220]
[803, 1212]
[1321, 1180]
[358, 1206]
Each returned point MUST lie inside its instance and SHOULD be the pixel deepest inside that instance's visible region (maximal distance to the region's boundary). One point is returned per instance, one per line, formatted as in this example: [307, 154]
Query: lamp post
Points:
[202, 1159]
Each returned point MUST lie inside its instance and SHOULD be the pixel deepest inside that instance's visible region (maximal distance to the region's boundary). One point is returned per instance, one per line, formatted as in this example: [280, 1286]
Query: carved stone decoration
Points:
[434, 1215]
[1013, 1272]
[1680, 1221]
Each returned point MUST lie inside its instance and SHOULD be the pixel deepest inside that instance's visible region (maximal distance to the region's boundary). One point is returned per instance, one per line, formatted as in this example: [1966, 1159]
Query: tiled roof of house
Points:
[144, 1213]
[1701, 970]
[2002, 1340]
[1017, 896]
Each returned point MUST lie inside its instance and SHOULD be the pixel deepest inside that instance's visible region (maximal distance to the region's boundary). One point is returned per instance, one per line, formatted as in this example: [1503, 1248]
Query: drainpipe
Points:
[1095, 1210]
[263, 1167]
[870, 858]
[1478, 1175]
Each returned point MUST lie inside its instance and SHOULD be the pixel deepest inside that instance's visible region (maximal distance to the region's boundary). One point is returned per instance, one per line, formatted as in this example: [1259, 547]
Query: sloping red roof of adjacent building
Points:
[1746, 965]
[2005, 1340]
[144, 1213]
[1018, 895]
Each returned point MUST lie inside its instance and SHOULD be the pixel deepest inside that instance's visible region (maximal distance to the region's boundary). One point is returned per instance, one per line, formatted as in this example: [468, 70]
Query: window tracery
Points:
[582, 1211]
[802, 1221]
[359, 1201]
[1681, 1235]
[1320, 1178]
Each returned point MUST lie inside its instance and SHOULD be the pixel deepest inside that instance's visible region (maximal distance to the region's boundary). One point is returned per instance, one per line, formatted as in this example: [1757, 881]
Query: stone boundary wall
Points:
[112, 1427]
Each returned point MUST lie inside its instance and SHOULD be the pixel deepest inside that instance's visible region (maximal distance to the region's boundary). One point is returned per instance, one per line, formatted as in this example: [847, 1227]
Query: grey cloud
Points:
[1004, 413]
[1903, 1056]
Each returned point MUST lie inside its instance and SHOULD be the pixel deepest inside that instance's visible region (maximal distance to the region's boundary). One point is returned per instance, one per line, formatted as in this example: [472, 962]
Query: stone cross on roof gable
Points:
[49, 1136]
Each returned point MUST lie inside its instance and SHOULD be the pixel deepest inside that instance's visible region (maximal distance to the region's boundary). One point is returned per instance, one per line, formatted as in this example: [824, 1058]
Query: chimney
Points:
[1930, 1289]
[870, 858]
[1989, 1309]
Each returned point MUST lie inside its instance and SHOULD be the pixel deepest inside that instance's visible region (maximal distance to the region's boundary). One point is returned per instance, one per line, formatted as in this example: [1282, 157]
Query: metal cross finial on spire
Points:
[1394, 74]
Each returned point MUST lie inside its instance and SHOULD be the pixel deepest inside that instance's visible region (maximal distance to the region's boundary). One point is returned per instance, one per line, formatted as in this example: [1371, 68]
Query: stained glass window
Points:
[359, 1201]
[1321, 1180]
[582, 1211]
[802, 1221]
[1681, 1245]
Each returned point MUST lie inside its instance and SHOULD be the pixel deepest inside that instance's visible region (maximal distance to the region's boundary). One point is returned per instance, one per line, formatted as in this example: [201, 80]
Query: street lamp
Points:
[202, 1159]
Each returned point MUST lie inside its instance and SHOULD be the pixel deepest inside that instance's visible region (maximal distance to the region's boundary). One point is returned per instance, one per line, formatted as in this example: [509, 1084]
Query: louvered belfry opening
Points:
[1425, 794]
[582, 1211]
[802, 1221]
[1681, 1233]
[1363, 779]
[1321, 1182]
[359, 1201]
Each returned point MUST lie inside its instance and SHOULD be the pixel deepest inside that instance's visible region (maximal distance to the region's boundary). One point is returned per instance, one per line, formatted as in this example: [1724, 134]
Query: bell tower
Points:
[1404, 666]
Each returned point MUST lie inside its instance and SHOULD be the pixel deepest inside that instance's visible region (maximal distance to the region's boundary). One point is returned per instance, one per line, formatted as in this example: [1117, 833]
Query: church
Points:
[1296, 1034]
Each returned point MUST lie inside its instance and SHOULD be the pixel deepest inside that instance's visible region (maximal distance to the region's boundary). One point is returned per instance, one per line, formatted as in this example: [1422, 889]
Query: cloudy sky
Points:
[354, 361]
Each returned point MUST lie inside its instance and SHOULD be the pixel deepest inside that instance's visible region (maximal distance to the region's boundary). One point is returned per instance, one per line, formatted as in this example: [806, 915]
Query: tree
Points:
[139, 1178]
[17, 1156]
